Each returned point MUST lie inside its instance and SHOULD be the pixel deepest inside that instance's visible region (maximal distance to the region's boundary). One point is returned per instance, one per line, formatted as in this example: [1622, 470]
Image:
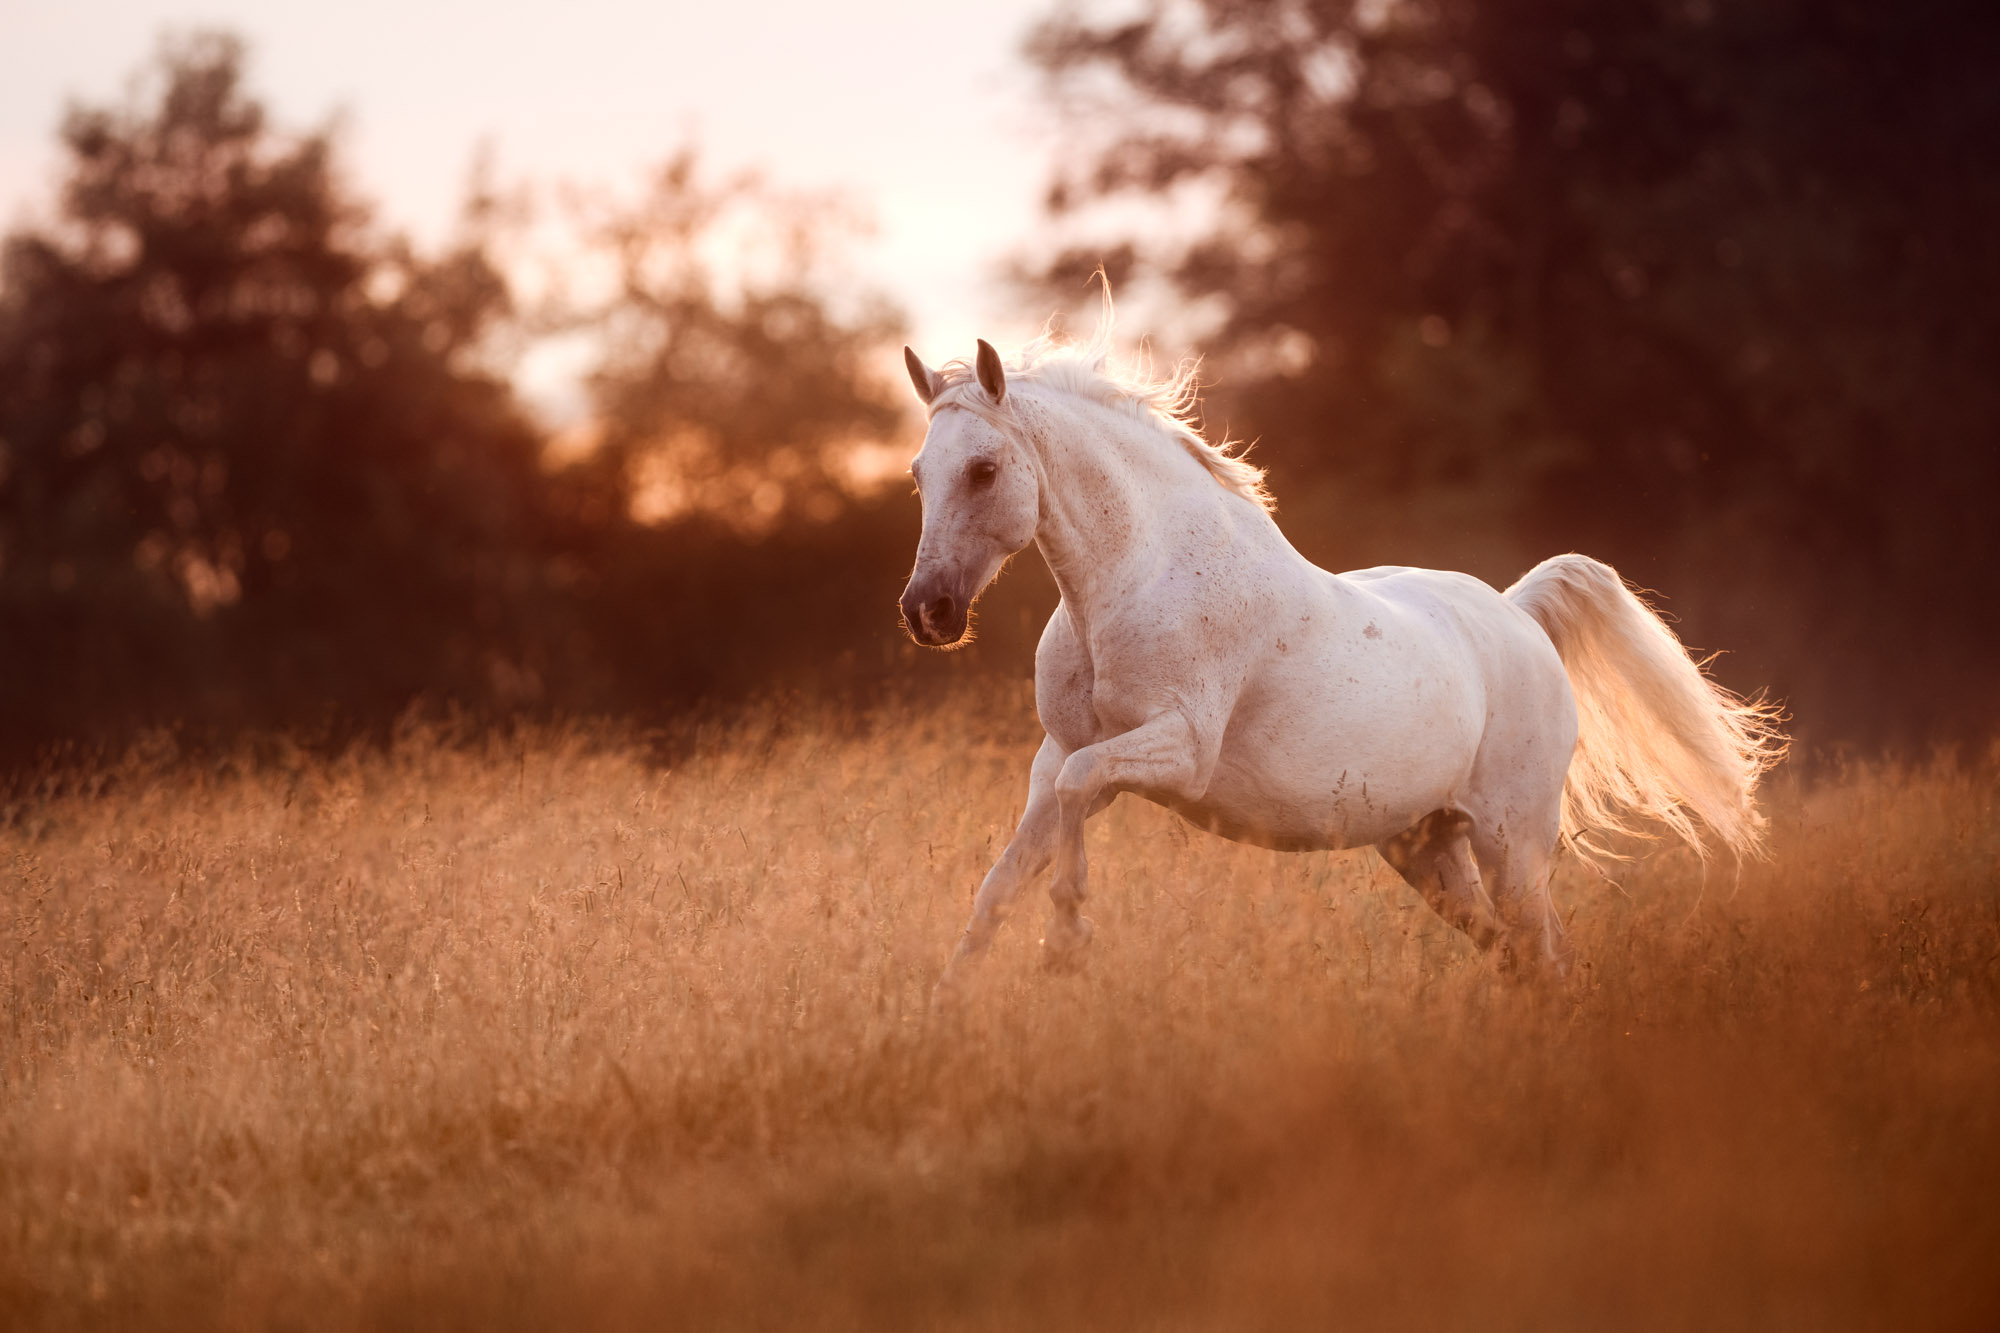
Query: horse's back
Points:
[1489, 625]
[1511, 655]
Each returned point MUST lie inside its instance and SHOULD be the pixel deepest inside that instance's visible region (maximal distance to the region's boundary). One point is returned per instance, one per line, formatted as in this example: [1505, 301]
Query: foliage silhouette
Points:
[736, 396]
[260, 464]
[1689, 286]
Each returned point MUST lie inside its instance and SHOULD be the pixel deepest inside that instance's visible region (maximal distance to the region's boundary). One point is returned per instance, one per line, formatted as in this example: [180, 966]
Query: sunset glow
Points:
[1119, 665]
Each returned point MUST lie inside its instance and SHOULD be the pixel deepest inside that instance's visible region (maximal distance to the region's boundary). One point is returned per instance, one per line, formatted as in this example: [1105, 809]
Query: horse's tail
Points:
[1656, 738]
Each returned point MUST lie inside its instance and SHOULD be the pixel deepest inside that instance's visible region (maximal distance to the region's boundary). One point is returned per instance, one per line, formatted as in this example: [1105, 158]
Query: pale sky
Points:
[924, 112]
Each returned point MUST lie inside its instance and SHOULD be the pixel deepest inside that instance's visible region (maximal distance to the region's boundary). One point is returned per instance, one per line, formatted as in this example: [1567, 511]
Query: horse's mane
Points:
[1084, 370]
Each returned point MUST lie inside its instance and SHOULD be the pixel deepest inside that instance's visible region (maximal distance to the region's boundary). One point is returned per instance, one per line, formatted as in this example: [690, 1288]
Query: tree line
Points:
[261, 463]
[1700, 287]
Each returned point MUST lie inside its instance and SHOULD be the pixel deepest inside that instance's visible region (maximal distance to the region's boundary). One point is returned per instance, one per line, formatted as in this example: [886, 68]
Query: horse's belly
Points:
[1344, 763]
[1354, 809]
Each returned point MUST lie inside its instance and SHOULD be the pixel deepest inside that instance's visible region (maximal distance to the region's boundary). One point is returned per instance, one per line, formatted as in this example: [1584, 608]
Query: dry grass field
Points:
[543, 1032]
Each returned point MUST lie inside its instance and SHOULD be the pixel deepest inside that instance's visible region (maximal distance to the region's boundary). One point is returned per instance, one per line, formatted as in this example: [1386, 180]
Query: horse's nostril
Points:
[942, 608]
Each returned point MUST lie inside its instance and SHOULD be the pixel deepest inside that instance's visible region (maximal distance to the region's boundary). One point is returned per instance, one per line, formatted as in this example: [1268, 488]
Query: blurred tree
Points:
[259, 462]
[246, 444]
[718, 536]
[742, 398]
[1691, 285]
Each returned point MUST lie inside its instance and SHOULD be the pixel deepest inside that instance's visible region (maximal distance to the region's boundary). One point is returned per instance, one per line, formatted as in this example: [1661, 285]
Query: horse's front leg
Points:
[1159, 756]
[1027, 853]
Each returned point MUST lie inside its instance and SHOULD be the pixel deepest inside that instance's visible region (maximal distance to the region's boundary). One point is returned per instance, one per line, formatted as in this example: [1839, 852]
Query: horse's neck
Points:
[1105, 484]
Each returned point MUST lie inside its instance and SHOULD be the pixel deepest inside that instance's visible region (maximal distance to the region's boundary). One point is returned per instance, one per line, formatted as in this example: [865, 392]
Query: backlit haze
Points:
[922, 115]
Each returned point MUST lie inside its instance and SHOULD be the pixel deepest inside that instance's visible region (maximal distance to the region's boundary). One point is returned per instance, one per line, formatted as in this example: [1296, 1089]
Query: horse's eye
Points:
[982, 471]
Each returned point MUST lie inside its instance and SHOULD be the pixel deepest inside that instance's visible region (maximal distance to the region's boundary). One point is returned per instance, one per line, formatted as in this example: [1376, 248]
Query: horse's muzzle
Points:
[934, 616]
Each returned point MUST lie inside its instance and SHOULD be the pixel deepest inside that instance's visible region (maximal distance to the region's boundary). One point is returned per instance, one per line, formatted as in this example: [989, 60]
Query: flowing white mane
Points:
[1084, 370]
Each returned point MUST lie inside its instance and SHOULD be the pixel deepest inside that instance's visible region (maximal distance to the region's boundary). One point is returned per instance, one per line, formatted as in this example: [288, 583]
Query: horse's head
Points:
[981, 493]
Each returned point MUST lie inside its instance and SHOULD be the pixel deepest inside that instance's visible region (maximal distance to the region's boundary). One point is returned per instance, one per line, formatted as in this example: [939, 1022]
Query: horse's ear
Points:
[991, 377]
[922, 377]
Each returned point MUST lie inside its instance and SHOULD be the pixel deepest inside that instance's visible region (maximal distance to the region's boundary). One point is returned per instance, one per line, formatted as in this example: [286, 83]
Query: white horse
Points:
[1198, 660]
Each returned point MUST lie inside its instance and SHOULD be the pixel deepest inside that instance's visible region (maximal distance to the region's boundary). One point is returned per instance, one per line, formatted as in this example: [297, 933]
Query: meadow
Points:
[574, 1028]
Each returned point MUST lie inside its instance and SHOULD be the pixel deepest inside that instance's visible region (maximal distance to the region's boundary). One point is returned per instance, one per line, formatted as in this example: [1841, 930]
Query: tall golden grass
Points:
[541, 1032]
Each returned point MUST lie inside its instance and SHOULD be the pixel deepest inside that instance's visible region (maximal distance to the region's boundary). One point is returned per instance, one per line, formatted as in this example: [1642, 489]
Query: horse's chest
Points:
[1087, 691]
[1065, 686]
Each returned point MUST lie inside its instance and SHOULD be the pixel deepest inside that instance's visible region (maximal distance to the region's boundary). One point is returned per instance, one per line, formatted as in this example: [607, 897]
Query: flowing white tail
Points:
[1656, 738]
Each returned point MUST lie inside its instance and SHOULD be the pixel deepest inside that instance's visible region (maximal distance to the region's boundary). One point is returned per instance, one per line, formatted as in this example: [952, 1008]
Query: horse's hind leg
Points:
[1435, 856]
[1516, 862]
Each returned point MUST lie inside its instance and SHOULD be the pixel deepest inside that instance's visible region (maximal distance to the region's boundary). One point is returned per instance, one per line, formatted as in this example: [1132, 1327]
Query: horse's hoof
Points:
[1064, 946]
